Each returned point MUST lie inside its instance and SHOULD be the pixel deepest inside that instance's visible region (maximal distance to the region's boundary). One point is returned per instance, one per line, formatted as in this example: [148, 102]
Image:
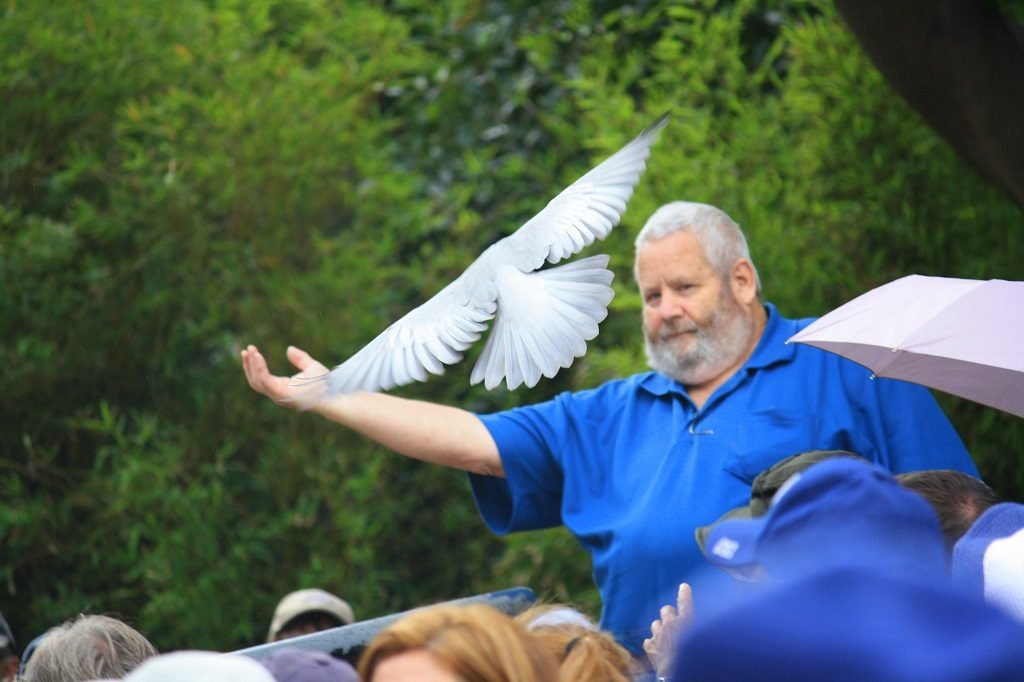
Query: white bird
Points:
[542, 318]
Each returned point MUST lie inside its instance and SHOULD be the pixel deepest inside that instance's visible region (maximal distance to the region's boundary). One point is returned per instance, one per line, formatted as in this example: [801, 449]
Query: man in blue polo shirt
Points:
[635, 465]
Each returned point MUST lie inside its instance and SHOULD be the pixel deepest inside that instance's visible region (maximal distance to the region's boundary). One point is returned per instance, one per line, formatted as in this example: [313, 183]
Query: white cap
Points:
[199, 666]
[560, 617]
[309, 601]
[1003, 567]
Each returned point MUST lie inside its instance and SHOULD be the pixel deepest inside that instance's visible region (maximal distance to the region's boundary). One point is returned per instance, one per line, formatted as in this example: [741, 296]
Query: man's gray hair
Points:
[718, 234]
[89, 647]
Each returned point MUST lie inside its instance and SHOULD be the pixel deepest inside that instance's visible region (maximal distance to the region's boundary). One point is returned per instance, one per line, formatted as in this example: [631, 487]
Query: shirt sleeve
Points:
[529, 441]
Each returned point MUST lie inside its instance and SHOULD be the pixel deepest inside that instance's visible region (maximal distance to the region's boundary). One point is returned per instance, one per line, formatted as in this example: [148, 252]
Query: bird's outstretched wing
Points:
[542, 318]
[423, 341]
[584, 211]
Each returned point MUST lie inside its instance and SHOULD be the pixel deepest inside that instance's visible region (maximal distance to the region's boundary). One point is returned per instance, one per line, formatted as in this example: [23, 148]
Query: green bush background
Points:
[180, 179]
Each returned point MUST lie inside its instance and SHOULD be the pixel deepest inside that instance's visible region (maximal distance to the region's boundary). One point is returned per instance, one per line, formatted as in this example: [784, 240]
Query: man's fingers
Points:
[667, 613]
[304, 362]
[298, 357]
[260, 378]
[296, 392]
[255, 366]
[649, 646]
[684, 601]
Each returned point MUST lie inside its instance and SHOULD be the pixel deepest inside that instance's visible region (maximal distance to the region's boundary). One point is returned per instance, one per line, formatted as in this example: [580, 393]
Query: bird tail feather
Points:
[543, 321]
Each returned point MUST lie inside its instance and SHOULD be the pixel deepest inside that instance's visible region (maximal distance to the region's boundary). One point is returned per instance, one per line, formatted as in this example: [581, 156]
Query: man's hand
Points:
[284, 391]
[414, 428]
[660, 646]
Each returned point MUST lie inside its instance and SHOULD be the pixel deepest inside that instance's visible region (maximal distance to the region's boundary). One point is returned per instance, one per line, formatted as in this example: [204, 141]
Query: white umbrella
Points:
[961, 336]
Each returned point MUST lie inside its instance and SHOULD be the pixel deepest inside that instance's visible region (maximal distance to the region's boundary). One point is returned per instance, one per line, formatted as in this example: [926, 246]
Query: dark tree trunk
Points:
[960, 64]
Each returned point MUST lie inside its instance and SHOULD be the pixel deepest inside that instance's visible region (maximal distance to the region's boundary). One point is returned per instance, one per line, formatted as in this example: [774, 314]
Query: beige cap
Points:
[308, 601]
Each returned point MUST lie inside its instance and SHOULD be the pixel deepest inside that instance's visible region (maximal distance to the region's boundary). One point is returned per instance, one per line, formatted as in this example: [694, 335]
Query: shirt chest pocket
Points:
[763, 438]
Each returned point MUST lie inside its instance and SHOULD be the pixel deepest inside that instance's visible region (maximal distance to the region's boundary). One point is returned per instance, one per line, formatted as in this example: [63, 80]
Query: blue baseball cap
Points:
[854, 624]
[840, 512]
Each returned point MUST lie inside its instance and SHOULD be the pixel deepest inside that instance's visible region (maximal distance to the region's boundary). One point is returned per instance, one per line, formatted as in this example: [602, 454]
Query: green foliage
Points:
[179, 179]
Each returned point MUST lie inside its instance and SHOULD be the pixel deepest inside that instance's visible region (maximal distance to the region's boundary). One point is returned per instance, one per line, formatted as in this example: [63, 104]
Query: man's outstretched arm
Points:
[414, 428]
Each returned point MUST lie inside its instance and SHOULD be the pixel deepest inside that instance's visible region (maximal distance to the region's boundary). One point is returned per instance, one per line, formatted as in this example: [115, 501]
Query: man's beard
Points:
[712, 349]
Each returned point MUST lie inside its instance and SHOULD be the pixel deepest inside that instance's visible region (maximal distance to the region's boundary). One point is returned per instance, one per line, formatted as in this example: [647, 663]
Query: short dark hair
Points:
[957, 498]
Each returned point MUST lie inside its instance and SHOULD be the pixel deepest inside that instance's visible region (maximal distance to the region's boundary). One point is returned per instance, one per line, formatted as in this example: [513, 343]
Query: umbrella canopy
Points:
[961, 336]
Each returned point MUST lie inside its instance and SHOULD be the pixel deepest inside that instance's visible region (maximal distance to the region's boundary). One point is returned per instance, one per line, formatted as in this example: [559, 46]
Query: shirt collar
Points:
[771, 349]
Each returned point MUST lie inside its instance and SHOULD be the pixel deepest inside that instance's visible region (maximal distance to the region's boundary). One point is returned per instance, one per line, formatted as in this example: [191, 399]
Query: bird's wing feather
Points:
[545, 324]
[423, 341]
[542, 319]
[584, 211]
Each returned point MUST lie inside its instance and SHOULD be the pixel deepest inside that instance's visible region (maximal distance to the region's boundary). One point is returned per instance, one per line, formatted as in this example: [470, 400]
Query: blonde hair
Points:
[476, 642]
[584, 653]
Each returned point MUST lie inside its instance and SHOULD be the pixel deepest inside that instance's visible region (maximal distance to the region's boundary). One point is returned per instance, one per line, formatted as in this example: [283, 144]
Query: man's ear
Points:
[743, 279]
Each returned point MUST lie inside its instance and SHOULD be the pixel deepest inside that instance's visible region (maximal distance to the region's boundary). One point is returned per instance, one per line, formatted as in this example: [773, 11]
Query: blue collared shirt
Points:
[632, 467]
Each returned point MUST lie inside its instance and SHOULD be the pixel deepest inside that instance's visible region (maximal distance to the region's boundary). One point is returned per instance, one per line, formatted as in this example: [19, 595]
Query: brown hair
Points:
[957, 498]
[584, 653]
[476, 642]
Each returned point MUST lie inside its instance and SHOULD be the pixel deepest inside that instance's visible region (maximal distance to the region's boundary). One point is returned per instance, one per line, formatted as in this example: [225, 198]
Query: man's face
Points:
[694, 328]
[307, 623]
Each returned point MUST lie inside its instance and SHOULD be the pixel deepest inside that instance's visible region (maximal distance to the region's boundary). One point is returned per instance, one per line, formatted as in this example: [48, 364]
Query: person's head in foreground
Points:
[766, 484]
[957, 498]
[582, 650]
[838, 513]
[451, 643]
[854, 625]
[90, 647]
[306, 611]
[301, 665]
[200, 666]
[988, 560]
